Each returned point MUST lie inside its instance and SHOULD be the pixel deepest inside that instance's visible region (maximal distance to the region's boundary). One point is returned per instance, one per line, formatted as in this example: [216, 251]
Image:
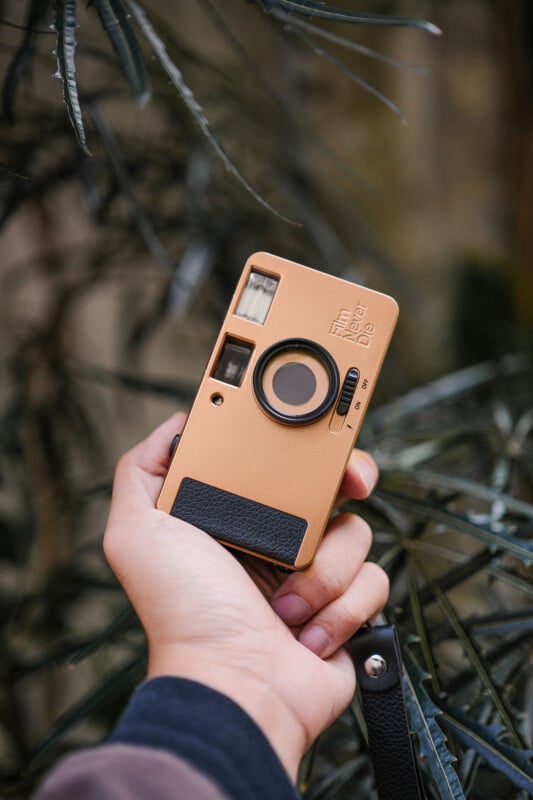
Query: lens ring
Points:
[297, 346]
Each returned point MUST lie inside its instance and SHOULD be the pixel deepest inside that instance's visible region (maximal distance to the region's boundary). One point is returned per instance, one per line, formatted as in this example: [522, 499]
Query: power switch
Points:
[347, 391]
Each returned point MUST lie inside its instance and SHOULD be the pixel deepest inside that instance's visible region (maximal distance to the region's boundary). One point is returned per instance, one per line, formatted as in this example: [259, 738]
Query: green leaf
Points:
[422, 713]
[515, 764]
[65, 22]
[117, 26]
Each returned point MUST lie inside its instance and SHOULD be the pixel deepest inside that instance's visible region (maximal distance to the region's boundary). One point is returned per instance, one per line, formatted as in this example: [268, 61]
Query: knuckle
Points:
[355, 526]
[364, 532]
[379, 580]
[327, 583]
[352, 613]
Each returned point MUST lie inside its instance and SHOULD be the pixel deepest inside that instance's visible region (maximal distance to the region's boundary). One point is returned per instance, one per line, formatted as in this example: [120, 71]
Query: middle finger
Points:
[339, 558]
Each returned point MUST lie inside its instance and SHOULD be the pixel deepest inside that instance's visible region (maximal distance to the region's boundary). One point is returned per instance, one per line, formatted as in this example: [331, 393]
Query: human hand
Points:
[272, 642]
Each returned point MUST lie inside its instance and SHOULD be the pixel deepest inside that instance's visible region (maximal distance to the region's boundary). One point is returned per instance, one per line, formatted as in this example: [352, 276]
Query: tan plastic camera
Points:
[265, 446]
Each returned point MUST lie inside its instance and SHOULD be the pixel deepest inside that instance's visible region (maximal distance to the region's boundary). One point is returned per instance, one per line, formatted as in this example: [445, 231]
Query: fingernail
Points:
[292, 609]
[368, 474]
[315, 639]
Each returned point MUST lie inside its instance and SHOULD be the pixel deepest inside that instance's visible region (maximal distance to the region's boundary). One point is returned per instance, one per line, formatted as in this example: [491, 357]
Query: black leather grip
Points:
[239, 521]
[389, 741]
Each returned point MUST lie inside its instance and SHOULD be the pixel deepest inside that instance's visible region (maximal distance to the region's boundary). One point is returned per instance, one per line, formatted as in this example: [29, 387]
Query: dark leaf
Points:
[65, 22]
[117, 26]
[319, 51]
[173, 389]
[499, 540]
[122, 622]
[452, 386]
[435, 480]
[329, 786]
[311, 8]
[341, 41]
[502, 623]
[475, 656]
[423, 713]
[21, 58]
[175, 76]
[120, 169]
[515, 764]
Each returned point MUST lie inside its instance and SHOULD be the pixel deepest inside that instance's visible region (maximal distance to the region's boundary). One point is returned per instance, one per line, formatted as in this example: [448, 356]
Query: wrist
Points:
[255, 694]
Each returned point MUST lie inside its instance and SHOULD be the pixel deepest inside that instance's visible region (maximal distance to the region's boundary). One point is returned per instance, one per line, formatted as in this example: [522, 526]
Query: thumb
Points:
[140, 472]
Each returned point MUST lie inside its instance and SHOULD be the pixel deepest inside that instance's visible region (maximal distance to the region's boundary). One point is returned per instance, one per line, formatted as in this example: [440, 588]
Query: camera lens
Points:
[296, 381]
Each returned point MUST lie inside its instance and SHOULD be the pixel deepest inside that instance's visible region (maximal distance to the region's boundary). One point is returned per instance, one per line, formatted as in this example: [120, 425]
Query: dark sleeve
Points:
[207, 736]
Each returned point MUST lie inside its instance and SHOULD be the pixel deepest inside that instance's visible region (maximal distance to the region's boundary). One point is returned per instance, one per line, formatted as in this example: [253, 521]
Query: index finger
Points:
[360, 477]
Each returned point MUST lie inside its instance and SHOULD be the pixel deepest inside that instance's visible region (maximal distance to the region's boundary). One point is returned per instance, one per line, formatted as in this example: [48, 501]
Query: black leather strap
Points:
[390, 743]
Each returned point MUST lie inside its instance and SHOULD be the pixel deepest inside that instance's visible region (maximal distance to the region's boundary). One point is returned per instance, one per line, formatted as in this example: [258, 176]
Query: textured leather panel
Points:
[239, 521]
[390, 745]
[389, 741]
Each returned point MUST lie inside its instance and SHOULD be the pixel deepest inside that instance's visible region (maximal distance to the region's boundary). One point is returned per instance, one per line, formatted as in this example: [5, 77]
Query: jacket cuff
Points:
[208, 730]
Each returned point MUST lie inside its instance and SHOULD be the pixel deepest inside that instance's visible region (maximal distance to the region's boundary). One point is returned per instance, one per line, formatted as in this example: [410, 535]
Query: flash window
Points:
[256, 298]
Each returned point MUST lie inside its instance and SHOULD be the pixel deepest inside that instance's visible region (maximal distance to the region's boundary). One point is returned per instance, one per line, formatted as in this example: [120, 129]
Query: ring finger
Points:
[337, 622]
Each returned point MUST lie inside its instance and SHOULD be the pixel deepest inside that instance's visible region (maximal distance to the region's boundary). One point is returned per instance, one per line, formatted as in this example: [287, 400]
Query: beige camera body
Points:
[265, 446]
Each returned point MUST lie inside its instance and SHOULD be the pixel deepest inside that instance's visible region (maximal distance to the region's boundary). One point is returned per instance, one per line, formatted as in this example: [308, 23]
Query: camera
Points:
[266, 443]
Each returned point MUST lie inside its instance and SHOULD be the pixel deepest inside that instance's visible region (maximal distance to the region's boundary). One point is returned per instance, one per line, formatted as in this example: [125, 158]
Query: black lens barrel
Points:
[297, 346]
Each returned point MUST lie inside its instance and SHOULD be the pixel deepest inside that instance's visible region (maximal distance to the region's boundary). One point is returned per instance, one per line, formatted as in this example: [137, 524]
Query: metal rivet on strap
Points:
[375, 666]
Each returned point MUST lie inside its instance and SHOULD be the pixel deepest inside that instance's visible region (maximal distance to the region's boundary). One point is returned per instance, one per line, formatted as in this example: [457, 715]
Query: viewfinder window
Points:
[256, 298]
[232, 361]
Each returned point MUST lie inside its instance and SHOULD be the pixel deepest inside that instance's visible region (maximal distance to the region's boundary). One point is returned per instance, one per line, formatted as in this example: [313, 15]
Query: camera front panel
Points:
[283, 396]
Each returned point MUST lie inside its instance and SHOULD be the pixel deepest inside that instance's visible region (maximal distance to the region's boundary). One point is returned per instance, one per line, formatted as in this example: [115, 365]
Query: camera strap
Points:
[376, 655]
